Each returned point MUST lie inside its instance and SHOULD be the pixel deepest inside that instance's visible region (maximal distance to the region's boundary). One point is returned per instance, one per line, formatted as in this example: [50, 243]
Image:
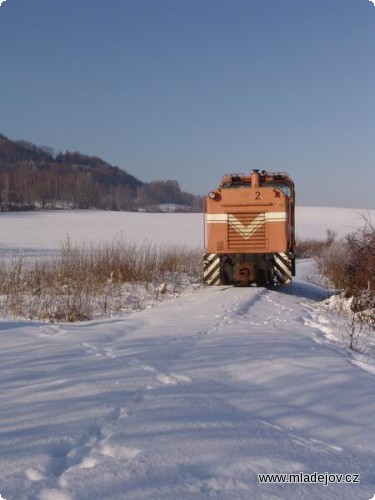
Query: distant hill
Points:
[33, 177]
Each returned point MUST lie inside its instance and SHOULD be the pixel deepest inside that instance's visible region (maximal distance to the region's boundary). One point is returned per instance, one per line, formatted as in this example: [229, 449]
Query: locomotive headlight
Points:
[212, 195]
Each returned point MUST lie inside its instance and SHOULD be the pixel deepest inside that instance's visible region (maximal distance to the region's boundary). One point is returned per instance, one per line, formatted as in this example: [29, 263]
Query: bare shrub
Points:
[307, 248]
[350, 267]
[332, 262]
[82, 280]
[354, 326]
[361, 265]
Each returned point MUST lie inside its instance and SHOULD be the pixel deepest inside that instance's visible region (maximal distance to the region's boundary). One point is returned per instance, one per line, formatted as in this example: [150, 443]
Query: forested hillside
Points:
[33, 177]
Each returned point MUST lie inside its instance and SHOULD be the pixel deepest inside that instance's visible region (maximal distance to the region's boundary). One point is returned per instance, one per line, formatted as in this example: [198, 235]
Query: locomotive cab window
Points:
[229, 185]
[285, 188]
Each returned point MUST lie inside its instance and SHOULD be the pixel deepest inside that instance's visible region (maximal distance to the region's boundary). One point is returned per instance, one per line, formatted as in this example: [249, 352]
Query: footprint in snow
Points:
[34, 474]
[100, 440]
[106, 352]
[53, 494]
[172, 378]
[162, 377]
[52, 330]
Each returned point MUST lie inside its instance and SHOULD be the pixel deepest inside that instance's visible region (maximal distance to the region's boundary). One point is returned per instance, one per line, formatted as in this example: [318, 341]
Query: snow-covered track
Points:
[192, 399]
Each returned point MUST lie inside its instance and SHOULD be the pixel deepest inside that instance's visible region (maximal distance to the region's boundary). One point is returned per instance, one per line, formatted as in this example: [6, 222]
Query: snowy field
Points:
[46, 230]
[191, 399]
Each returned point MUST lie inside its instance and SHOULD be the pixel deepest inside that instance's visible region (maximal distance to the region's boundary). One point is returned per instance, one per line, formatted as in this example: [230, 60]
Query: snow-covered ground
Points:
[46, 230]
[191, 399]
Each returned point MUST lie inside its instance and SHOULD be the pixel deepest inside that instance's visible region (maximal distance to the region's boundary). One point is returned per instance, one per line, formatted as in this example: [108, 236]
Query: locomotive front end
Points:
[249, 235]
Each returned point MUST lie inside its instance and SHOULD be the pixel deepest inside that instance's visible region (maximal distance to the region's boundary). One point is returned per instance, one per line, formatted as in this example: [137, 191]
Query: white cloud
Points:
[2, 1]
[373, 1]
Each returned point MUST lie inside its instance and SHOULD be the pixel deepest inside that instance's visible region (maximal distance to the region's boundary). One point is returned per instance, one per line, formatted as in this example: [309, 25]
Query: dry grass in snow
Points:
[81, 281]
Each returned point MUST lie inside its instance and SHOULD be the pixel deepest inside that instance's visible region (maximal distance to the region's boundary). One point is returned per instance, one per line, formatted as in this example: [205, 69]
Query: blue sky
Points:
[192, 89]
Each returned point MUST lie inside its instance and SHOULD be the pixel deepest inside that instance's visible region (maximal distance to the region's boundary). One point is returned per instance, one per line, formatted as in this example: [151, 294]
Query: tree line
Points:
[33, 177]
